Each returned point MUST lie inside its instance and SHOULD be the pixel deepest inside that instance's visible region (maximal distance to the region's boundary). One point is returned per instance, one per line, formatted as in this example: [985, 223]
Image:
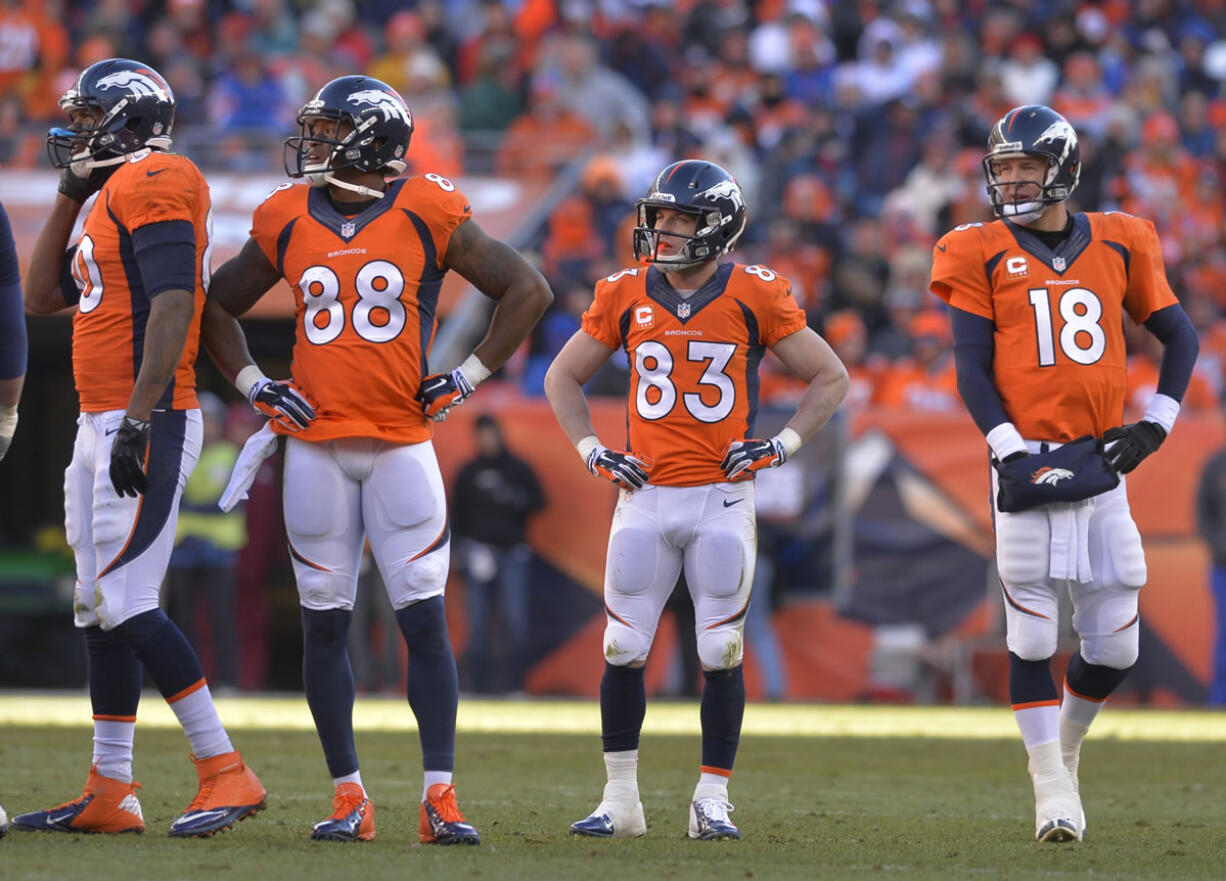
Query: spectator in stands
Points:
[410, 64]
[927, 380]
[490, 101]
[546, 136]
[601, 96]
[1028, 76]
[494, 495]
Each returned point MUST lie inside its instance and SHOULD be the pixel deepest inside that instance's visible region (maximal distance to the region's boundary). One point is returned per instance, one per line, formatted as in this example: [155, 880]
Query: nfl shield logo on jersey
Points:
[683, 311]
[1058, 264]
[348, 228]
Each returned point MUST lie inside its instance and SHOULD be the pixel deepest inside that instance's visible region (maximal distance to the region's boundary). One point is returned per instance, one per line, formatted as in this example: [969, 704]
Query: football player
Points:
[1037, 300]
[365, 256]
[12, 334]
[137, 275]
[695, 331]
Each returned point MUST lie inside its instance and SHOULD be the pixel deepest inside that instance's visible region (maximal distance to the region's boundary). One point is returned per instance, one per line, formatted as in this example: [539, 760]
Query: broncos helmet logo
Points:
[1059, 129]
[140, 84]
[728, 190]
[1048, 476]
[391, 106]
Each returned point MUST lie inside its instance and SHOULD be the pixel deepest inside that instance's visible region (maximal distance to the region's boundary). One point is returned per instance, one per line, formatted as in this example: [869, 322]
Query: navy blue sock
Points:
[163, 649]
[723, 707]
[327, 679]
[623, 703]
[115, 674]
[1030, 681]
[434, 686]
[1093, 680]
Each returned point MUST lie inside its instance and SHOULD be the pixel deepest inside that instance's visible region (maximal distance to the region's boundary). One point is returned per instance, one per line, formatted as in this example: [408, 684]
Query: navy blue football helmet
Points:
[137, 110]
[694, 187]
[1033, 130]
[379, 122]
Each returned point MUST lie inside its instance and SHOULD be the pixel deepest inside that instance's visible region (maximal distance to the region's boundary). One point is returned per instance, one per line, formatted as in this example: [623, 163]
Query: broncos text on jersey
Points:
[365, 290]
[1060, 359]
[693, 361]
[108, 329]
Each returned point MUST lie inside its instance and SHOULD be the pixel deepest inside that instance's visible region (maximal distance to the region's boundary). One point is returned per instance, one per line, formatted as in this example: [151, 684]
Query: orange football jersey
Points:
[108, 329]
[693, 362]
[1060, 360]
[365, 292]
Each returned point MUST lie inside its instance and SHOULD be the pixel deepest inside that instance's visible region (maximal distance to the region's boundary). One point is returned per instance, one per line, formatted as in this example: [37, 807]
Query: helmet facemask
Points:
[107, 142]
[694, 247]
[345, 150]
[1036, 196]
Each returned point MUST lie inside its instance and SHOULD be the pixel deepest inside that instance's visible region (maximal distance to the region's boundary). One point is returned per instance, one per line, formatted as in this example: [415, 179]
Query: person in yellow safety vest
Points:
[202, 566]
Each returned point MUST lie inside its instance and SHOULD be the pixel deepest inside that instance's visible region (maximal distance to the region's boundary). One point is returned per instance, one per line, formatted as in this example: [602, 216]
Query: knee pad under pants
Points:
[1106, 620]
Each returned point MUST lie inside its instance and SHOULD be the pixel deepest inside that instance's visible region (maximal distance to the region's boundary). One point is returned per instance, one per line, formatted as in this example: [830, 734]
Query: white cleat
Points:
[619, 815]
[1058, 815]
[1072, 760]
[709, 819]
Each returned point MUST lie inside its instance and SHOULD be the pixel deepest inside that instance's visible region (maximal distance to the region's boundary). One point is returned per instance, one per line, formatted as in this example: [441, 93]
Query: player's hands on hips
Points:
[1132, 443]
[284, 401]
[625, 469]
[128, 457]
[750, 455]
[439, 392]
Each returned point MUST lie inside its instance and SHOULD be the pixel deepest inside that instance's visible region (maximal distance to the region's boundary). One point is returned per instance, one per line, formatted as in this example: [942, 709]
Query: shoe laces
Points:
[717, 808]
[200, 802]
[445, 803]
[346, 802]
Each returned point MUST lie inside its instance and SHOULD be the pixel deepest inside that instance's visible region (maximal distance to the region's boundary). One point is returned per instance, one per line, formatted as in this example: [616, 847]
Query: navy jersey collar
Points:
[1060, 258]
[319, 206]
[686, 308]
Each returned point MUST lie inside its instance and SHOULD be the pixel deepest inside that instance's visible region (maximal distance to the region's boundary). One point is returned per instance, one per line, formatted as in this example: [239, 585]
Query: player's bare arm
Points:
[502, 274]
[810, 358]
[170, 319]
[234, 288]
[577, 363]
[42, 282]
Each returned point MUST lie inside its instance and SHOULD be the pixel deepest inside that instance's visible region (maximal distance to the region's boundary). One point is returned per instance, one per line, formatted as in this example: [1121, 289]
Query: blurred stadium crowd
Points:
[855, 129]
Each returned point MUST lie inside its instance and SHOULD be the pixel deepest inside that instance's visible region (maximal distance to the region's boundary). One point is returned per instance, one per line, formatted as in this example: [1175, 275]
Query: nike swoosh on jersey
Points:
[153, 172]
[728, 503]
[941, 248]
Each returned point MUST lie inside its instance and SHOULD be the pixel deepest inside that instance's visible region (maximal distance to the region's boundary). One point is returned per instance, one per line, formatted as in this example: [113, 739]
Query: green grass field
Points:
[821, 792]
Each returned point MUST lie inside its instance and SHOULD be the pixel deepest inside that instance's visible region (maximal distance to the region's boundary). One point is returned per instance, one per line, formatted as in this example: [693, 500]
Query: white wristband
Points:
[790, 439]
[586, 445]
[248, 378]
[1005, 440]
[474, 371]
[1163, 409]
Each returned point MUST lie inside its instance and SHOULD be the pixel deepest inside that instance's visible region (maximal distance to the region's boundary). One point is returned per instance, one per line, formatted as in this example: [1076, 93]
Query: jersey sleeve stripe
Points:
[990, 266]
[1123, 252]
[753, 359]
[428, 287]
[138, 303]
[164, 464]
[283, 238]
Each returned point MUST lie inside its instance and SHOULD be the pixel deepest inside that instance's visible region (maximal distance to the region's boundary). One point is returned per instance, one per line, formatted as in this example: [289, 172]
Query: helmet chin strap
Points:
[324, 178]
[1023, 212]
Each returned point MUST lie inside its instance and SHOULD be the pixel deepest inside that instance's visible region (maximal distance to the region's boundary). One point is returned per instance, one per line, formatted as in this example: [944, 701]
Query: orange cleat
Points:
[229, 792]
[440, 819]
[353, 816]
[107, 805]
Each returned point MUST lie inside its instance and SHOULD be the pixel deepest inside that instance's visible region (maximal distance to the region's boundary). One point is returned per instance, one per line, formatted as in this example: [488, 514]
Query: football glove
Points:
[1133, 442]
[439, 392]
[79, 188]
[747, 456]
[128, 457]
[282, 401]
[8, 426]
[623, 468]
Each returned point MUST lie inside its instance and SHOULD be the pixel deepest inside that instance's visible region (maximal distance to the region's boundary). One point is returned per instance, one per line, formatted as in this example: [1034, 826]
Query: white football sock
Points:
[113, 748]
[201, 724]
[1038, 724]
[355, 777]
[432, 777]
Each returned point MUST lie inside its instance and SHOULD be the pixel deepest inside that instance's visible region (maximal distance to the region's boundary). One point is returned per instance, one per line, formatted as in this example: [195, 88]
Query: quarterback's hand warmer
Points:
[1132, 443]
[1069, 473]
